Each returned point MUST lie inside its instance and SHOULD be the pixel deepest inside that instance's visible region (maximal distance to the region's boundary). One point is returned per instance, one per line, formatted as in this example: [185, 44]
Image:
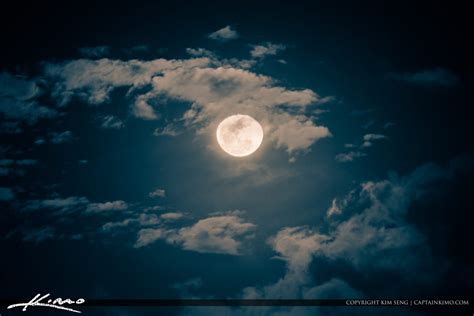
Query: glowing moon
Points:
[239, 135]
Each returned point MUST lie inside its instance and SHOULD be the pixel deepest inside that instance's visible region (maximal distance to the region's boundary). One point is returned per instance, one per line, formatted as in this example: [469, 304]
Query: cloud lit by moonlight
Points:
[239, 135]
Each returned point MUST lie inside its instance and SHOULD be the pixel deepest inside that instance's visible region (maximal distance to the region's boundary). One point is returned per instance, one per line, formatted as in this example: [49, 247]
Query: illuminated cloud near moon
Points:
[239, 135]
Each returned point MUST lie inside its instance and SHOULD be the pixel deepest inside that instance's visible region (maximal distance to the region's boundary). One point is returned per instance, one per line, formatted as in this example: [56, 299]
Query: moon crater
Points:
[239, 135]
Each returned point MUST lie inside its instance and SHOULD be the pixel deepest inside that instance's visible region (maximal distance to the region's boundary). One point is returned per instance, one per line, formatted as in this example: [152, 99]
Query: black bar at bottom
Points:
[244, 302]
[214, 302]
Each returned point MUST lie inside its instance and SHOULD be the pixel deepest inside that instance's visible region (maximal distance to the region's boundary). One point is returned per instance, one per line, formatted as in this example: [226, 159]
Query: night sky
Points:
[113, 185]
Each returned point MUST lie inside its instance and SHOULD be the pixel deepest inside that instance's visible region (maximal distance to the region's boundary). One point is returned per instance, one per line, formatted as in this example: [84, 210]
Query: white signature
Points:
[57, 303]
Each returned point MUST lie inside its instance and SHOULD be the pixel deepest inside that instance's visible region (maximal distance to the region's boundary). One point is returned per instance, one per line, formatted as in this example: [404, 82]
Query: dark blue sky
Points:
[112, 183]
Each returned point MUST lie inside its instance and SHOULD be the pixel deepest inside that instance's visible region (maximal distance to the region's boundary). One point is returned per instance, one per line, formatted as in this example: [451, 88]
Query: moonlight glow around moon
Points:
[239, 135]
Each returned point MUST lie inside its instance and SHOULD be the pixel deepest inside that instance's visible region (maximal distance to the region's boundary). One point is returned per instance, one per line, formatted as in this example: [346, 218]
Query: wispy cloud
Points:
[39, 234]
[266, 49]
[95, 52]
[56, 138]
[339, 204]
[157, 193]
[73, 204]
[367, 141]
[15, 166]
[142, 220]
[224, 34]
[431, 77]
[58, 204]
[200, 52]
[172, 216]
[350, 156]
[111, 122]
[107, 206]
[168, 130]
[184, 288]
[136, 49]
[218, 234]
[388, 125]
[61, 138]
[370, 138]
[19, 104]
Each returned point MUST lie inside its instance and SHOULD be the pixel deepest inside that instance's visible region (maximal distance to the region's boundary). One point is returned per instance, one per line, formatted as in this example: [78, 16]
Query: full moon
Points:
[239, 135]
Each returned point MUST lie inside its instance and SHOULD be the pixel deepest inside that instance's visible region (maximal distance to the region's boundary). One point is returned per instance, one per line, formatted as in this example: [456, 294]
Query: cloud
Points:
[61, 138]
[42, 233]
[200, 52]
[337, 205]
[350, 156]
[39, 234]
[56, 138]
[172, 216]
[388, 124]
[333, 209]
[369, 138]
[218, 92]
[435, 77]
[62, 215]
[40, 141]
[143, 220]
[136, 49]
[17, 87]
[224, 34]
[378, 232]
[157, 193]
[60, 205]
[266, 49]
[367, 141]
[111, 122]
[95, 52]
[18, 102]
[368, 124]
[184, 288]
[118, 205]
[375, 231]
[213, 89]
[72, 204]
[217, 61]
[333, 289]
[148, 236]
[217, 234]
[93, 80]
[7, 127]
[6, 194]
[15, 167]
[298, 133]
[143, 109]
[372, 233]
[297, 247]
[20, 162]
[168, 130]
